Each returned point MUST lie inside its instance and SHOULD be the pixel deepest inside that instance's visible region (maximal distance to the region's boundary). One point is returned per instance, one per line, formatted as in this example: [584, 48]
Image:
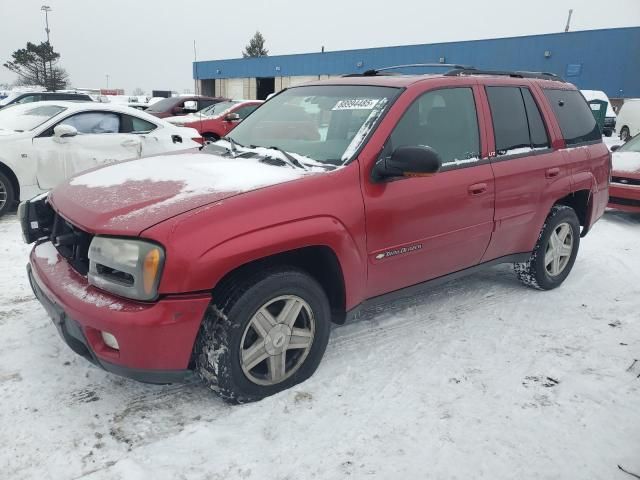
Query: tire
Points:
[625, 134]
[230, 332]
[540, 273]
[210, 138]
[608, 133]
[7, 194]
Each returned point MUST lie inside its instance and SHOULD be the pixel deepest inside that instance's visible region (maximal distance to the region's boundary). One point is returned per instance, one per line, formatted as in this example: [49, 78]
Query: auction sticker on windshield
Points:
[356, 104]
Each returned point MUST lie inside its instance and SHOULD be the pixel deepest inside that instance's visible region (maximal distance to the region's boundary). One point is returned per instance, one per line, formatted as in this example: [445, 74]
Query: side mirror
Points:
[407, 162]
[232, 117]
[615, 147]
[64, 131]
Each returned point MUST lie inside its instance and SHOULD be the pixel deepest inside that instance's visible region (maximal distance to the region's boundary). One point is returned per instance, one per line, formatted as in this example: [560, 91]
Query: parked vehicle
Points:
[175, 106]
[42, 144]
[233, 263]
[628, 121]
[218, 120]
[17, 98]
[624, 191]
[610, 116]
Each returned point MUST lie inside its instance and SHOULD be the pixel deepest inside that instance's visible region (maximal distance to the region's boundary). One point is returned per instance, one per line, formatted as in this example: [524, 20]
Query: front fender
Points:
[221, 259]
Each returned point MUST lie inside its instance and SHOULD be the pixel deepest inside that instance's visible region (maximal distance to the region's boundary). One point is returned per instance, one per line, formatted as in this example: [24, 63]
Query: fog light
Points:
[110, 341]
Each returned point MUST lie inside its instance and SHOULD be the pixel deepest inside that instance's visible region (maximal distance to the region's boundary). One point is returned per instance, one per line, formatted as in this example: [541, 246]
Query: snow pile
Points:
[47, 252]
[480, 378]
[626, 162]
[97, 298]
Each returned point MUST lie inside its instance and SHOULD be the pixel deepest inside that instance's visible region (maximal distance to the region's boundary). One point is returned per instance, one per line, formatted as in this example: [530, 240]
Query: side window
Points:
[537, 130]
[509, 117]
[245, 111]
[444, 120]
[94, 122]
[131, 124]
[29, 99]
[577, 123]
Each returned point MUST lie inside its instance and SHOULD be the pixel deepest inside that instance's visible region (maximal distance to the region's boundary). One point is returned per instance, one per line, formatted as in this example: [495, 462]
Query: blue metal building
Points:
[607, 60]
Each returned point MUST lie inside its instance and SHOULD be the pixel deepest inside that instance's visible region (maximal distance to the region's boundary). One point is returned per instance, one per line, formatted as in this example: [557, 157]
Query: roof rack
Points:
[506, 73]
[385, 70]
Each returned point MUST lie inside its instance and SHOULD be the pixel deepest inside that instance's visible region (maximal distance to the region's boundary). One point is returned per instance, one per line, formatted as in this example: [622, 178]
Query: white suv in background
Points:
[44, 143]
[628, 123]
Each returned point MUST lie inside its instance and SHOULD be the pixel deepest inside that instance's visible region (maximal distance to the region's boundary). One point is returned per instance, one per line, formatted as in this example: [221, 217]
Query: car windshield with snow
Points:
[323, 124]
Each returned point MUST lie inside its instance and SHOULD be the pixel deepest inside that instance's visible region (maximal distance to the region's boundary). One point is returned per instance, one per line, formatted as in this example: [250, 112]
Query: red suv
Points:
[232, 263]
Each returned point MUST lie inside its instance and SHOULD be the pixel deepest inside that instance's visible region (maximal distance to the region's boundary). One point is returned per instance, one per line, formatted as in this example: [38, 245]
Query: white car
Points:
[44, 143]
[628, 124]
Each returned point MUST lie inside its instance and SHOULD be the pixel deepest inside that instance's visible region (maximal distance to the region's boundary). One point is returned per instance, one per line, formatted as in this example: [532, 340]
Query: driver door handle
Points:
[477, 189]
[552, 172]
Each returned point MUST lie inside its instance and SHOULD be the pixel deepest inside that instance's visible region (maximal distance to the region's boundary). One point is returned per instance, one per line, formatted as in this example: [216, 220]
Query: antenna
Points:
[566, 29]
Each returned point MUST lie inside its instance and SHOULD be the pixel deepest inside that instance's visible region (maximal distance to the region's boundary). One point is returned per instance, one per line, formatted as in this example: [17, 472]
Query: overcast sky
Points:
[149, 43]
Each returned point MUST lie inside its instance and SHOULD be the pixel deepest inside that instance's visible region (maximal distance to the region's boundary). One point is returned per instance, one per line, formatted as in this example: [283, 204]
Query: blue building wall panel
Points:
[606, 59]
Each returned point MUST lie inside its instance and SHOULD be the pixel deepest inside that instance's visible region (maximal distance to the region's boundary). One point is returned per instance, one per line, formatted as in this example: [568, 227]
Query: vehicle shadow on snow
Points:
[619, 217]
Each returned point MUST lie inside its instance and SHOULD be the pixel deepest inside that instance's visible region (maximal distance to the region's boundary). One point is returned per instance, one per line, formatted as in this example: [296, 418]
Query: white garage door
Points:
[235, 88]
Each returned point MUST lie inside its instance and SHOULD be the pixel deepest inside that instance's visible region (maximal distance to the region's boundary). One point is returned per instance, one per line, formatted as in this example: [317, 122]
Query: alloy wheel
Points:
[3, 195]
[559, 249]
[277, 340]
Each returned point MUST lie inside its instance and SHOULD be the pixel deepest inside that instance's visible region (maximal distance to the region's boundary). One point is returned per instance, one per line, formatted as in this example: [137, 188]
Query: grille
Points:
[625, 181]
[629, 202]
[71, 243]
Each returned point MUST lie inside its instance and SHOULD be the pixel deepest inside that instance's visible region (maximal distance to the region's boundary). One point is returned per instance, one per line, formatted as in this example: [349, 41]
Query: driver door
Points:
[98, 142]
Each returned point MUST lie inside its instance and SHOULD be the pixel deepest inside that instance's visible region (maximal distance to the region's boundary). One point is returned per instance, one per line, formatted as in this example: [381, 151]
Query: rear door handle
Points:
[477, 188]
[552, 172]
[130, 143]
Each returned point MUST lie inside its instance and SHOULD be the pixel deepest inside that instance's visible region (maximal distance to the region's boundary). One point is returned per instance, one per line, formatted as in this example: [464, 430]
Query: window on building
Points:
[577, 123]
[444, 120]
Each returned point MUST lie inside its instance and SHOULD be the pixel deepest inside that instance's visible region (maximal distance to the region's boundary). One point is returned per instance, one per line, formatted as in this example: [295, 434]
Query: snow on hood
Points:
[131, 196]
[626, 162]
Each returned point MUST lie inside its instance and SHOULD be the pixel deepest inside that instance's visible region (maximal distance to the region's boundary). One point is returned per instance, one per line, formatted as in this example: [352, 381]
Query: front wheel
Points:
[555, 252]
[7, 194]
[263, 334]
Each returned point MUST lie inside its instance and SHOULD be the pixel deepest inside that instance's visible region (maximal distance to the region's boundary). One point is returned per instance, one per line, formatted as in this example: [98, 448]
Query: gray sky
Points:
[149, 43]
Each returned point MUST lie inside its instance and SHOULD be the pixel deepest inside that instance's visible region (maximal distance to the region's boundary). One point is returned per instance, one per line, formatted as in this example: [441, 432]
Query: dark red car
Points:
[218, 120]
[624, 192]
[182, 105]
[233, 263]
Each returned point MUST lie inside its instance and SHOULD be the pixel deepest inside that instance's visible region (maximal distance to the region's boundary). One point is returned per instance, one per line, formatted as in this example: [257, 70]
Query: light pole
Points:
[46, 9]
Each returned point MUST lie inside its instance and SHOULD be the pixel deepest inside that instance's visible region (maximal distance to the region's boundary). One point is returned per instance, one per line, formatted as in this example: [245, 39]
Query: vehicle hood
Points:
[626, 164]
[181, 120]
[9, 135]
[129, 197]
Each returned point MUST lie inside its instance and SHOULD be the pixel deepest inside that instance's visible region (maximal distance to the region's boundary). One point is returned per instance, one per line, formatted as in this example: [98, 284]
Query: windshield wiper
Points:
[290, 159]
[233, 145]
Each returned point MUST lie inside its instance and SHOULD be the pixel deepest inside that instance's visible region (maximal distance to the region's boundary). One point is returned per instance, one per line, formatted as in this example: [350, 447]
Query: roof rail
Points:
[506, 73]
[383, 70]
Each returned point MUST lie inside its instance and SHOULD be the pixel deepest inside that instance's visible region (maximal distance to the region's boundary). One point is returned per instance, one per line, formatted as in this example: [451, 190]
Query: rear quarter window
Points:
[577, 123]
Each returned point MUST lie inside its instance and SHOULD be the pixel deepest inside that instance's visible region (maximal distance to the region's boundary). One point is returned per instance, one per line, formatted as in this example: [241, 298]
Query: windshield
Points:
[326, 123]
[632, 145]
[20, 118]
[164, 104]
[11, 97]
[216, 109]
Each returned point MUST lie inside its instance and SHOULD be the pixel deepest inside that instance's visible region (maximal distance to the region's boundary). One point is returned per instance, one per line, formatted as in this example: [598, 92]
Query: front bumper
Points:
[155, 339]
[624, 197]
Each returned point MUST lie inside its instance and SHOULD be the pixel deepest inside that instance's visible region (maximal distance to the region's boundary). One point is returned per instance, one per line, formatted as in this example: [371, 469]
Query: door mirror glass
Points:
[232, 117]
[408, 161]
[64, 131]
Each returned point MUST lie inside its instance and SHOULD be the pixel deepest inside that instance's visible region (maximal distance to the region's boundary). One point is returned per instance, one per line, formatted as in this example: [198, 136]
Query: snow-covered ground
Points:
[479, 378]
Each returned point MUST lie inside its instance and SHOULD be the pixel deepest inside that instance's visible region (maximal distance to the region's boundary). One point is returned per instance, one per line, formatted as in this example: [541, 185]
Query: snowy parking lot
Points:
[479, 378]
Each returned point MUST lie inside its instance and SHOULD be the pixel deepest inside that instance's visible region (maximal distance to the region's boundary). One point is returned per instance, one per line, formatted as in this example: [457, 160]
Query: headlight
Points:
[130, 268]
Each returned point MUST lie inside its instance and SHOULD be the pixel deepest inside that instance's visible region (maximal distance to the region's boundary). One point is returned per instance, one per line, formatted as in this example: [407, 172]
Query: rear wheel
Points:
[263, 334]
[7, 194]
[555, 252]
[625, 134]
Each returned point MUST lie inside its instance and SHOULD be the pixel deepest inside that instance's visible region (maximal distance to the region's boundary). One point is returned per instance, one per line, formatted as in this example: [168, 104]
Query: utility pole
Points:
[195, 62]
[107, 75]
[566, 29]
[46, 9]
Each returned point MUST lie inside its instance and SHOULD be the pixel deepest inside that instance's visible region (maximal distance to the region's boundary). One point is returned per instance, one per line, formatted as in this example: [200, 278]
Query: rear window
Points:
[574, 116]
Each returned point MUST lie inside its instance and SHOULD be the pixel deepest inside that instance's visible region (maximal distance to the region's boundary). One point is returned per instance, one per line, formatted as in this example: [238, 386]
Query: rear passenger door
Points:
[424, 227]
[529, 174]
